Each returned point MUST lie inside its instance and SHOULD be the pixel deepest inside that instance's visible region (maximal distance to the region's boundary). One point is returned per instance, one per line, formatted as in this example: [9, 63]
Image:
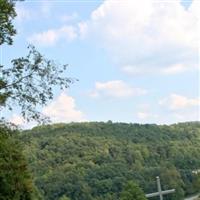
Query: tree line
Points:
[96, 160]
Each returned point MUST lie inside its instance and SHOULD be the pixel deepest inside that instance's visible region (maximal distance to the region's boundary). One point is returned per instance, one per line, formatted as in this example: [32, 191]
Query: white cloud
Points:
[174, 69]
[116, 88]
[83, 29]
[145, 115]
[134, 70]
[167, 70]
[147, 34]
[23, 13]
[184, 116]
[66, 18]
[177, 102]
[50, 37]
[142, 115]
[17, 120]
[63, 109]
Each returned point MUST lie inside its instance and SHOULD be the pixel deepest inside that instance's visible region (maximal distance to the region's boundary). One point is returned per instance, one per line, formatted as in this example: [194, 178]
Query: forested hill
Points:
[93, 161]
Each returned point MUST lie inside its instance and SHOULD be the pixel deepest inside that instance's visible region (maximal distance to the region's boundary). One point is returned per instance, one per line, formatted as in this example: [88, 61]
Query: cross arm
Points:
[157, 193]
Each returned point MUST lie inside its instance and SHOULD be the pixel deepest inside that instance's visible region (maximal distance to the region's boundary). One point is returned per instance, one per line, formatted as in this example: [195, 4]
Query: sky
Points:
[136, 61]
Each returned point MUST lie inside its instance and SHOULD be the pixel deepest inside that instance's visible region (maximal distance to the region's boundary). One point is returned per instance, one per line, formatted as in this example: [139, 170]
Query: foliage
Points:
[93, 161]
[132, 191]
[64, 198]
[30, 80]
[27, 83]
[15, 180]
[7, 14]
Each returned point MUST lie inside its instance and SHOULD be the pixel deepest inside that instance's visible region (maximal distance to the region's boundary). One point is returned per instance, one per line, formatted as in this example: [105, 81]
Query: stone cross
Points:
[160, 193]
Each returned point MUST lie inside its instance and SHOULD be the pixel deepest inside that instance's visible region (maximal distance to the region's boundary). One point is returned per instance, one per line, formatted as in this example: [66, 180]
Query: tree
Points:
[7, 14]
[15, 180]
[172, 179]
[30, 80]
[27, 83]
[196, 181]
[132, 192]
[64, 198]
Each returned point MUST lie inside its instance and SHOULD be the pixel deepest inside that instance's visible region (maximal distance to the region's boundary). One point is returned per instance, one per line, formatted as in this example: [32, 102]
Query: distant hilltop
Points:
[94, 160]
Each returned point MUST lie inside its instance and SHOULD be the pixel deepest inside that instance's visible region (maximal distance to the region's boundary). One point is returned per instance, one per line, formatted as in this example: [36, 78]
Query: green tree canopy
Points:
[132, 192]
[15, 180]
[7, 14]
[64, 198]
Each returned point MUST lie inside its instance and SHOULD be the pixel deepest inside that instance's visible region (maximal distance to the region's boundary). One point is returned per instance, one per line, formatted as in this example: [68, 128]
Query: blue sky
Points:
[136, 61]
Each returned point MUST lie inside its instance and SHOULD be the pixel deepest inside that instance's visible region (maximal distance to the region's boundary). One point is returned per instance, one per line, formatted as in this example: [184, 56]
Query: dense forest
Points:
[15, 179]
[94, 160]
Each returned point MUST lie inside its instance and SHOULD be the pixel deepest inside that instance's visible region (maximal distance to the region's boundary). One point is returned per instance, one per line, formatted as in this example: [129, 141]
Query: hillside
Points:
[93, 161]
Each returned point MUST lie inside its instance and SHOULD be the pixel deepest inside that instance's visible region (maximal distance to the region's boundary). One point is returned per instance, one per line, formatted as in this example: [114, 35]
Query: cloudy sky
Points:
[136, 61]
